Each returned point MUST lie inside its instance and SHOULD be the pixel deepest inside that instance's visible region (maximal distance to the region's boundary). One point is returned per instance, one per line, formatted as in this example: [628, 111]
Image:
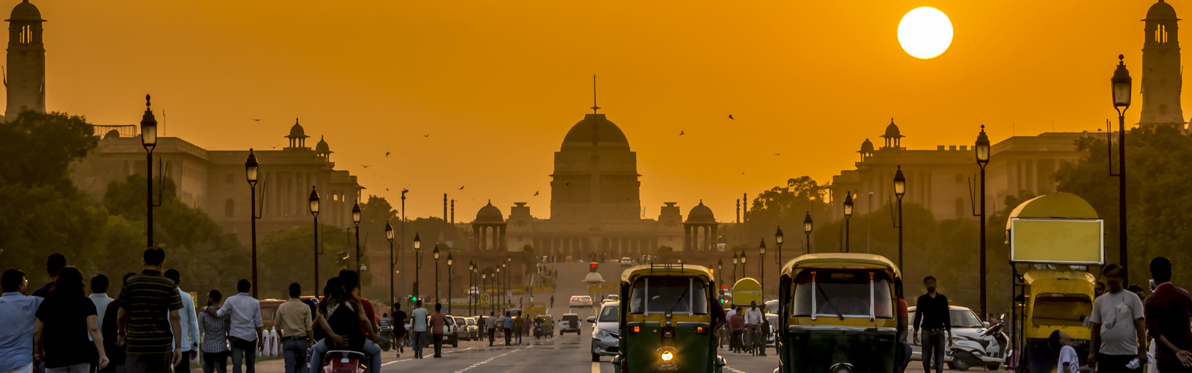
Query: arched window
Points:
[230, 208]
[1161, 34]
[26, 36]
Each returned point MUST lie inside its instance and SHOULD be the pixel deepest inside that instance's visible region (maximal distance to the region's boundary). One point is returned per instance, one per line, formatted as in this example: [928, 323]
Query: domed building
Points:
[595, 176]
[1162, 79]
[26, 78]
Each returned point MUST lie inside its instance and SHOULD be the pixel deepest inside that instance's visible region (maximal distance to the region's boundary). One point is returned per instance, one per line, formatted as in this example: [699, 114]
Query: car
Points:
[461, 328]
[580, 301]
[612, 298]
[626, 262]
[964, 323]
[473, 328]
[772, 319]
[569, 323]
[450, 336]
[604, 325]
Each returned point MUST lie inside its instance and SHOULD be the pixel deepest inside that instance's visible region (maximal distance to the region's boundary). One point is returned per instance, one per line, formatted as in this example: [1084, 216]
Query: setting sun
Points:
[925, 32]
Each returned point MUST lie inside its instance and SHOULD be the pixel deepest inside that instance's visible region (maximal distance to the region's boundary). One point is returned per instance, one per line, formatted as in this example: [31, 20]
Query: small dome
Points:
[1159, 11]
[26, 11]
[296, 132]
[321, 147]
[867, 146]
[113, 134]
[605, 132]
[489, 214]
[892, 130]
[701, 214]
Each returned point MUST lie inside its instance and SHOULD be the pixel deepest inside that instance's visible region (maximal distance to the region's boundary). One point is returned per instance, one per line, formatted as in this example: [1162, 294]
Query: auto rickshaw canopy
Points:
[840, 260]
[682, 270]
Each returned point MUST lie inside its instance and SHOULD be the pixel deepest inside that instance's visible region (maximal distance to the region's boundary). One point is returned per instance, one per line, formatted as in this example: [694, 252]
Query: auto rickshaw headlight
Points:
[841, 368]
[667, 356]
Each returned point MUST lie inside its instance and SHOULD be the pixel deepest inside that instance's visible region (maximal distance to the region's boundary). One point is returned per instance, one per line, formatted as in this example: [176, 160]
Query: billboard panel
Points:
[1058, 241]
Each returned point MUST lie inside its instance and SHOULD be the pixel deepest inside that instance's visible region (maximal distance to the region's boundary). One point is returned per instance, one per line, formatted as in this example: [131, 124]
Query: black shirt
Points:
[115, 353]
[399, 323]
[44, 290]
[64, 335]
[933, 312]
[346, 323]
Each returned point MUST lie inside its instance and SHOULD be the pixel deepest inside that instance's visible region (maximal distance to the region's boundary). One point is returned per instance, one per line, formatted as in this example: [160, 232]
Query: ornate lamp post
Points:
[500, 292]
[402, 247]
[392, 267]
[735, 260]
[356, 222]
[899, 191]
[761, 265]
[435, 254]
[744, 269]
[483, 282]
[720, 273]
[250, 172]
[505, 285]
[778, 242]
[417, 264]
[149, 141]
[471, 275]
[449, 262]
[982, 150]
[807, 231]
[314, 211]
[1121, 101]
[848, 213]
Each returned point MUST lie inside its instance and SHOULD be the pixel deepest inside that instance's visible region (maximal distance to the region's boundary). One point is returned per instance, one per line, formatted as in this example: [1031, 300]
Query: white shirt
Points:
[101, 301]
[1068, 356]
[245, 314]
[189, 321]
[753, 316]
[1116, 314]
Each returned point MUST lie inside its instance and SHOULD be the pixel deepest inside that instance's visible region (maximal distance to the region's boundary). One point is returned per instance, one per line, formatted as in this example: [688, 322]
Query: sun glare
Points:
[925, 32]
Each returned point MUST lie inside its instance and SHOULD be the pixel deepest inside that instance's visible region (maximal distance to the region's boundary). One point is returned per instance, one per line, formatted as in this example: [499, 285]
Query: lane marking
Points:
[733, 369]
[486, 361]
[444, 352]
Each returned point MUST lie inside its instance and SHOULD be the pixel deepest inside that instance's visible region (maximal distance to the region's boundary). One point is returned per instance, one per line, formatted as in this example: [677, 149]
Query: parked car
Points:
[771, 341]
[450, 335]
[612, 298]
[626, 262]
[569, 323]
[461, 330]
[580, 301]
[605, 324]
[473, 328]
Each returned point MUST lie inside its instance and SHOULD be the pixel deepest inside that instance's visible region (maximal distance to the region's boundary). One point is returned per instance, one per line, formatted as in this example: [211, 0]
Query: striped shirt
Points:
[215, 331]
[148, 298]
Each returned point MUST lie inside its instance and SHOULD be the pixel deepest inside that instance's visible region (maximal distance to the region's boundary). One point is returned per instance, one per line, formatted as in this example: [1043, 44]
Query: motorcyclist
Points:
[340, 315]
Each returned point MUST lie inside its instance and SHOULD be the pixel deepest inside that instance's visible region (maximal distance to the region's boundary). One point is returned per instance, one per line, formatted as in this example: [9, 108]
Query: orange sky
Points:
[498, 83]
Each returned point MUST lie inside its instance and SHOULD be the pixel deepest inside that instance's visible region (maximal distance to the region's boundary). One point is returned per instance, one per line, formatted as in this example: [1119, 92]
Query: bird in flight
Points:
[461, 188]
[567, 183]
[256, 120]
[730, 116]
[535, 194]
[363, 165]
[275, 146]
[681, 133]
[426, 135]
[386, 154]
[777, 153]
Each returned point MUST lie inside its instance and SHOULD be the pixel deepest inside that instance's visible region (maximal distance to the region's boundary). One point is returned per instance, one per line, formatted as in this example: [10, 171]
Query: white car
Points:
[626, 262]
[964, 322]
[580, 301]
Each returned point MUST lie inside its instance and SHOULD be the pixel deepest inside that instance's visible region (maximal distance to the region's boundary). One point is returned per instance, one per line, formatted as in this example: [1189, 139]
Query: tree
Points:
[288, 256]
[784, 206]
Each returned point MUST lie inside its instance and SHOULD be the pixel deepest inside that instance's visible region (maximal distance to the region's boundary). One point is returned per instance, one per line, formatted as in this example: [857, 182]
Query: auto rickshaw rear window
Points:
[843, 293]
[659, 295]
[1053, 309]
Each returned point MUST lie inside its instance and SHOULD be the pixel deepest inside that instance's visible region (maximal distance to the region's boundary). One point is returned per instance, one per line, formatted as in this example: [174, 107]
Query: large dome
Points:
[701, 214]
[595, 126]
[892, 130]
[489, 214]
[1159, 11]
[25, 11]
[296, 131]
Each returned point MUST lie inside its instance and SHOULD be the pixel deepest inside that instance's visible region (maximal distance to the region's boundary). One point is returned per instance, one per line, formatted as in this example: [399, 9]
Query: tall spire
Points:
[594, 106]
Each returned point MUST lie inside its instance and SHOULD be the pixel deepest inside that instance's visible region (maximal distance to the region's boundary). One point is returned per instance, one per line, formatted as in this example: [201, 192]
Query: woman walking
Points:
[64, 321]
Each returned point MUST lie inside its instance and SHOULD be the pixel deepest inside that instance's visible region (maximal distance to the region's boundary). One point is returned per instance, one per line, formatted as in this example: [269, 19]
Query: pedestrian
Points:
[728, 328]
[518, 325]
[737, 323]
[340, 315]
[529, 323]
[552, 301]
[399, 328]
[438, 324]
[18, 314]
[1067, 362]
[99, 297]
[419, 316]
[753, 329]
[215, 336]
[54, 263]
[145, 329]
[933, 322]
[351, 283]
[245, 330]
[64, 321]
[294, 324]
[491, 323]
[1168, 310]
[383, 328]
[189, 322]
[507, 324]
[108, 328]
[1118, 326]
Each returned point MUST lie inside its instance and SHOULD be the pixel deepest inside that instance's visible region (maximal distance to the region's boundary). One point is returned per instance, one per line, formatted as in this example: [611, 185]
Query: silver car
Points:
[605, 323]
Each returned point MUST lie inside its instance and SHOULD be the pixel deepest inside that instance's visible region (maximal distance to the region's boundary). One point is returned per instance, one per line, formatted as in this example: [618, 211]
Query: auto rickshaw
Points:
[544, 326]
[1054, 300]
[746, 291]
[838, 314]
[667, 320]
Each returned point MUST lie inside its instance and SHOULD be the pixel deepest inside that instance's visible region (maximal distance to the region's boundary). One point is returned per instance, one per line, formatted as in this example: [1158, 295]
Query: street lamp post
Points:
[392, 268]
[735, 259]
[778, 242]
[848, 213]
[720, 272]
[250, 172]
[449, 262]
[402, 247]
[982, 150]
[1121, 101]
[356, 222]
[899, 191]
[500, 293]
[484, 283]
[761, 265]
[314, 211]
[807, 231]
[417, 265]
[744, 269]
[149, 141]
[505, 286]
[471, 274]
[436, 255]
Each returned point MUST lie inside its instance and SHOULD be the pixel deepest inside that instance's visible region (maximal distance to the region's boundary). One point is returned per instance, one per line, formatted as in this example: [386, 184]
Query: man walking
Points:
[18, 314]
[931, 318]
[736, 324]
[215, 336]
[1168, 311]
[294, 324]
[518, 326]
[1119, 327]
[99, 296]
[438, 322]
[399, 328]
[491, 323]
[244, 334]
[753, 323]
[143, 325]
[507, 323]
[54, 264]
[419, 316]
[190, 324]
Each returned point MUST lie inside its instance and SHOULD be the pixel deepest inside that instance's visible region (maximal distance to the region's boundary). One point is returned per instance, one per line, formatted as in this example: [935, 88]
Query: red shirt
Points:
[368, 311]
[437, 321]
[1168, 310]
[736, 322]
[902, 308]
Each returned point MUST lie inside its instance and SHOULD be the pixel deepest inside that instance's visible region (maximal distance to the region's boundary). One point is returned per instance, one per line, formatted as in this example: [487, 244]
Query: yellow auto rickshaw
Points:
[1054, 300]
[667, 320]
[838, 314]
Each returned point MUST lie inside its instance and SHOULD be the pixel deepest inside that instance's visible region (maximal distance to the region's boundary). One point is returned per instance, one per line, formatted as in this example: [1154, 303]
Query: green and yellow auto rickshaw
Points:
[667, 320]
[838, 314]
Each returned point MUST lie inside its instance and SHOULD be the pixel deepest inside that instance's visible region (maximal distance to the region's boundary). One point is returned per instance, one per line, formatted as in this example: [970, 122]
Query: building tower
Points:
[26, 78]
[1161, 80]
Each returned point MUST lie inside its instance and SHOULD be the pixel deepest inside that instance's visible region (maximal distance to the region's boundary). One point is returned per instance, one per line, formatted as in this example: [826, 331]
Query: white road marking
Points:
[733, 369]
[410, 358]
[486, 361]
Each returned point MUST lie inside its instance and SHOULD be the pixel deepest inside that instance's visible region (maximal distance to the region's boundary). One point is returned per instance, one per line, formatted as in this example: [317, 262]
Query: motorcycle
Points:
[343, 361]
[385, 340]
[987, 349]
